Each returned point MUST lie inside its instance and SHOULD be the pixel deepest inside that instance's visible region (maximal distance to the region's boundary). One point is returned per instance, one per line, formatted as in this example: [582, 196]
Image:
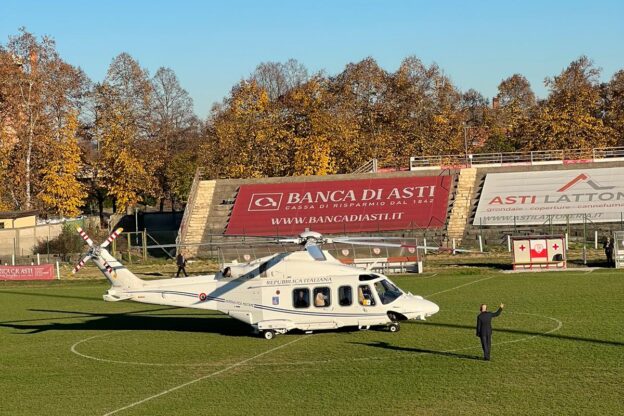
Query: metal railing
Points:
[539, 157]
[368, 167]
[190, 204]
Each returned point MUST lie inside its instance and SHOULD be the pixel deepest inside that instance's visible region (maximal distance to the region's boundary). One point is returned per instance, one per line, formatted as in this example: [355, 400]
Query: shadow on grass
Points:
[208, 323]
[523, 332]
[476, 264]
[50, 295]
[385, 345]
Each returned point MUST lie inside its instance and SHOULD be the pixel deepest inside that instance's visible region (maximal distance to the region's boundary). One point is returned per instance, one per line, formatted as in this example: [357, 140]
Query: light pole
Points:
[136, 224]
[467, 156]
[465, 144]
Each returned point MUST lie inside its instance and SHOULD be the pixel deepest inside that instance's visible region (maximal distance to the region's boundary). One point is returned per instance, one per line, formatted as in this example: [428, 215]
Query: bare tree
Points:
[279, 78]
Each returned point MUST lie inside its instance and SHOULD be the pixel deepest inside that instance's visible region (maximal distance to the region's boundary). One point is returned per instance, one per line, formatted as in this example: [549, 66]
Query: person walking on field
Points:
[181, 262]
[484, 328]
[608, 248]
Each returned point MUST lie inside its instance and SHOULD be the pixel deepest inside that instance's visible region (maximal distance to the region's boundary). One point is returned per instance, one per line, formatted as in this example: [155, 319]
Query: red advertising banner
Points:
[340, 206]
[40, 272]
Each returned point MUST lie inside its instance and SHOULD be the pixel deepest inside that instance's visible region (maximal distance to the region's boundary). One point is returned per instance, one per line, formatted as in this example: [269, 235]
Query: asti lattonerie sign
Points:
[558, 196]
[340, 206]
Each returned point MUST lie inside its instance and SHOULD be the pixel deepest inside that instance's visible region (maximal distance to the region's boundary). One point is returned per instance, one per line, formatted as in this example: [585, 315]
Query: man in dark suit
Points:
[608, 248]
[484, 328]
[181, 262]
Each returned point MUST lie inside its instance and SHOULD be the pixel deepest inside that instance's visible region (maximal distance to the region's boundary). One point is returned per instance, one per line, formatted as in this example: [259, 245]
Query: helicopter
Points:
[306, 290]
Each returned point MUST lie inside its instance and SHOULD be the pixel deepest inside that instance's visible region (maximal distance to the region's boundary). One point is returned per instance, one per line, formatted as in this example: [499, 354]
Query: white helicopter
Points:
[306, 290]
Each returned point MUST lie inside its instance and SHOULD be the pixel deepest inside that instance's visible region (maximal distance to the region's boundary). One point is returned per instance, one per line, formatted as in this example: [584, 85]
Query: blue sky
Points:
[212, 45]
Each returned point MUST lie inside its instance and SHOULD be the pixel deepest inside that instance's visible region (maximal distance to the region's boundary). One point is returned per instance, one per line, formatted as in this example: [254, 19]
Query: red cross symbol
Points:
[522, 247]
[555, 246]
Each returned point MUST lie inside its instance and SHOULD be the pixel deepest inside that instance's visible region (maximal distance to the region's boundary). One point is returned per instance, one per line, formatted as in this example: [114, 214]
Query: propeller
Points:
[94, 250]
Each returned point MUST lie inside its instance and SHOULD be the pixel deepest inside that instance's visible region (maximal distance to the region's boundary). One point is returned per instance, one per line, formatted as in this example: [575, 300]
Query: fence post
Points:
[508, 243]
[38, 260]
[596, 239]
[480, 244]
[481, 231]
[58, 271]
[144, 232]
[567, 242]
[568, 223]
[584, 238]
[129, 237]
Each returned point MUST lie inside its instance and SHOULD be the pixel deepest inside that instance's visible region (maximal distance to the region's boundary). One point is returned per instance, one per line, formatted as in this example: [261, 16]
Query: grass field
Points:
[558, 349]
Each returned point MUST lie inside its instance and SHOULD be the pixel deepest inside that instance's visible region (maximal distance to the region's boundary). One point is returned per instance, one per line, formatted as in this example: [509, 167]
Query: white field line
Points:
[216, 373]
[460, 286]
[429, 277]
[105, 360]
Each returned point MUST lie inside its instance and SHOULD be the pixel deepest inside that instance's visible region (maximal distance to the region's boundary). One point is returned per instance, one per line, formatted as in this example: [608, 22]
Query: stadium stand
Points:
[211, 201]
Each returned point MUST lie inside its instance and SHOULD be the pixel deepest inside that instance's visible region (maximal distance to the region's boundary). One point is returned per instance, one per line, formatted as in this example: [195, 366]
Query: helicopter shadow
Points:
[133, 321]
[387, 346]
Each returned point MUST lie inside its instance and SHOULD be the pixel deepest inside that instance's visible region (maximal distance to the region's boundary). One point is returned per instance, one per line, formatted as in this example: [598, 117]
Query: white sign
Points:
[558, 196]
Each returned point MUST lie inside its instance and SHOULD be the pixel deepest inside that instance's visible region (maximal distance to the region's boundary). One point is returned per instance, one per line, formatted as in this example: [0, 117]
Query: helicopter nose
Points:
[432, 308]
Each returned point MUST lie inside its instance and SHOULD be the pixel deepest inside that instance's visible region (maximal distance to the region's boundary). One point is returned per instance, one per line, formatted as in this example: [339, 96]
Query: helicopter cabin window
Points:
[387, 291]
[367, 277]
[301, 298]
[345, 296]
[263, 269]
[321, 297]
[365, 296]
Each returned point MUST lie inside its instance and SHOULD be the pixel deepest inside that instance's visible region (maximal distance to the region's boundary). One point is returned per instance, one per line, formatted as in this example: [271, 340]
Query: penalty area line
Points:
[216, 373]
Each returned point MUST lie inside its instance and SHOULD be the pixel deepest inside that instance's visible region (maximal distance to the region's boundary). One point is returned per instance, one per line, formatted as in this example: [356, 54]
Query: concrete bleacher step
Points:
[462, 204]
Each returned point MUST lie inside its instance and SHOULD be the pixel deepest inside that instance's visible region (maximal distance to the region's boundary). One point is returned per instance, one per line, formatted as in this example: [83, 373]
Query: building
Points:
[18, 219]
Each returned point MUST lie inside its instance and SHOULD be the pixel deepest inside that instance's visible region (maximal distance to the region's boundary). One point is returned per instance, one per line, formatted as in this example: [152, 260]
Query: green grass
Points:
[426, 368]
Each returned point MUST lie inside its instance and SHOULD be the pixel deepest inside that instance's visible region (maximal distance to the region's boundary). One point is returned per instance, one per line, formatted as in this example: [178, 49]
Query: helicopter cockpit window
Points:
[365, 296]
[301, 298]
[321, 297]
[345, 296]
[387, 291]
[366, 277]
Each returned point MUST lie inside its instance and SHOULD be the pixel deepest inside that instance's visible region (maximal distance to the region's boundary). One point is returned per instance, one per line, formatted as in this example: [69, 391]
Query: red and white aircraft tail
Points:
[118, 276]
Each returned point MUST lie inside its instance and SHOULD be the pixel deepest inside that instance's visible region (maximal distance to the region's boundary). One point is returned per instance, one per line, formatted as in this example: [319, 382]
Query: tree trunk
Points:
[100, 200]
